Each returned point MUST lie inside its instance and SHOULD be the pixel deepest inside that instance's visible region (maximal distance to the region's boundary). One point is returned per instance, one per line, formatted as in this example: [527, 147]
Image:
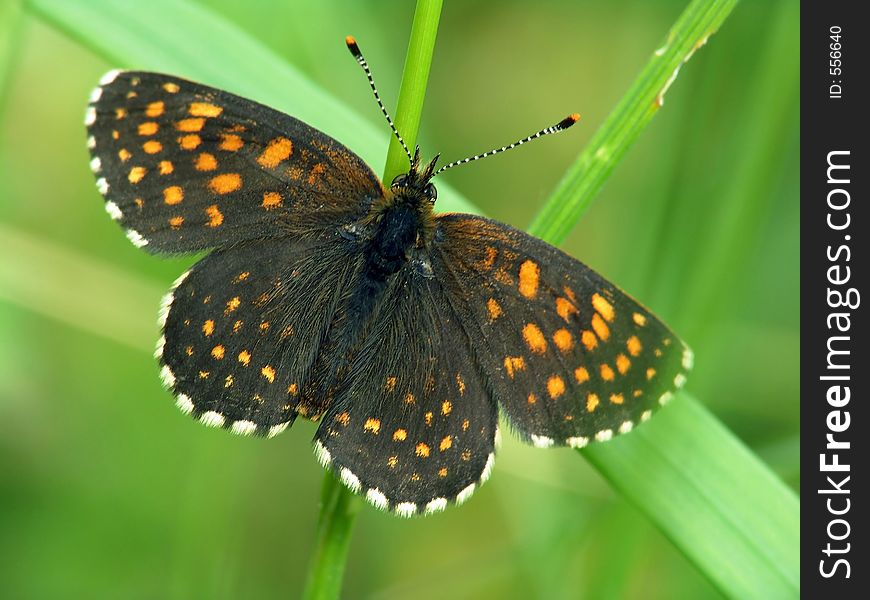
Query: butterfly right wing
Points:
[186, 167]
[571, 358]
[243, 327]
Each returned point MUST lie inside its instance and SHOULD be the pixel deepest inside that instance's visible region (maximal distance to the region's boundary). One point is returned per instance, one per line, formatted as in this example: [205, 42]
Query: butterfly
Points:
[328, 295]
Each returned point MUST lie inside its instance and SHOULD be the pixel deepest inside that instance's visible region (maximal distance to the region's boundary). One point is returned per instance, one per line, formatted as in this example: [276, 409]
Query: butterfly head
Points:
[415, 186]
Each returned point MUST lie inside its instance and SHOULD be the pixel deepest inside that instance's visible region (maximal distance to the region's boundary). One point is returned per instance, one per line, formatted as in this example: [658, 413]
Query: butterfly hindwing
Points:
[571, 358]
[414, 428]
[242, 329]
[186, 167]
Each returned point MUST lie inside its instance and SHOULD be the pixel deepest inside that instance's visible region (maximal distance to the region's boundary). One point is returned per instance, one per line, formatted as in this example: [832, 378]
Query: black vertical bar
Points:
[834, 264]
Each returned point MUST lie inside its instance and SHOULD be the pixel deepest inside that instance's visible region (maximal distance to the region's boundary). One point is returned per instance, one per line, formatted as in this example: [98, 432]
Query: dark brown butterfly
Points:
[330, 296]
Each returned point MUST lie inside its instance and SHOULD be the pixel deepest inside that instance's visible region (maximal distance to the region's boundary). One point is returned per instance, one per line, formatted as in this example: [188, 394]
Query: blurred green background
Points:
[106, 491]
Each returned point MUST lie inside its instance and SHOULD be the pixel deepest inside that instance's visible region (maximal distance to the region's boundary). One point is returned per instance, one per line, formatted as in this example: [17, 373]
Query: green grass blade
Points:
[585, 178]
[723, 508]
[415, 76]
[338, 508]
[703, 488]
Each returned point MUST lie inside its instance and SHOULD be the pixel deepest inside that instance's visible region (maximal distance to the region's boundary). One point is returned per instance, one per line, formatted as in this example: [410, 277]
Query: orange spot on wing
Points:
[592, 401]
[277, 150]
[555, 386]
[152, 147]
[486, 263]
[269, 373]
[460, 383]
[531, 399]
[148, 128]
[422, 450]
[650, 373]
[218, 352]
[581, 374]
[155, 109]
[393, 461]
[607, 373]
[639, 319]
[316, 171]
[230, 142]
[205, 162]
[204, 109]
[400, 435]
[190, 141]
[190, 125]
[442, 472]
[245, 357]
[225, 183]
[529, 274]
[565, 308]
[136, 174]
[617, 398]
[446, 443]
[564, 340]
[633, 345]
[513, 364]
[446, 407]
[272, 200]
[535, 340]
[372, 426]
[215, 218]
[600, 327]
[390, 384]
[173, 195]
[589, 340]
[232, 304]
[622, 364]
[208, 327]
[124, 154]
[176, 222]
[166, 167]
[170, 87]
[494, 309]
[293, 389]
[603, 306]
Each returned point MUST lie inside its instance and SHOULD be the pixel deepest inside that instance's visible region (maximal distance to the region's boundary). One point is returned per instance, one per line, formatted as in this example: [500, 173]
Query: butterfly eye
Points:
[431, 192]
[399, 180]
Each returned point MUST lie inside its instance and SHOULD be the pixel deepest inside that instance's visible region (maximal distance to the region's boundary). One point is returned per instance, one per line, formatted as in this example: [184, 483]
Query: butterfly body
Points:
[330, 296]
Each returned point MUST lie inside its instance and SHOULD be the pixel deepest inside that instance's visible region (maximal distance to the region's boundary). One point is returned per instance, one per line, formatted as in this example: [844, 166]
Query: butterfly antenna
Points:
[357, 54]
[560, 126]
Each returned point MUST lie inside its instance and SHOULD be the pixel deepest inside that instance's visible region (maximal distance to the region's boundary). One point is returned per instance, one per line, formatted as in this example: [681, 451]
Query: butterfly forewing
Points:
[571, 358]
[186, 167]
[414, 428]
[242, 331]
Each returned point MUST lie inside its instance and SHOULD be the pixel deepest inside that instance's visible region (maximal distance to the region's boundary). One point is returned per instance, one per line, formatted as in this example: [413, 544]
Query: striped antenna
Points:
[357, 54]
[560, 126]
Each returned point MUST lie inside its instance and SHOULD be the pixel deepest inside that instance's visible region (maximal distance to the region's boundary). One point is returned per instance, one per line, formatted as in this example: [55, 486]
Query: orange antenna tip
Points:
[352, 46]
[567, 121]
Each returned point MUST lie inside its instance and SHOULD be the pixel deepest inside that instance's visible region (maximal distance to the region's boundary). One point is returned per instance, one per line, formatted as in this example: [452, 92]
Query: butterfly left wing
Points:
[414, 428]
[570, 357]
[186, 167]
